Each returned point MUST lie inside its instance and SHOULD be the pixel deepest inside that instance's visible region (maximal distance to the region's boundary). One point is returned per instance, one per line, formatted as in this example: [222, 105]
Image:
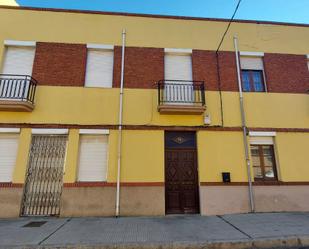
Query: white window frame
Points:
[17, 43]
[178, 51]
[269, 134]
[256, 55]
[41, 131]
[97, 46]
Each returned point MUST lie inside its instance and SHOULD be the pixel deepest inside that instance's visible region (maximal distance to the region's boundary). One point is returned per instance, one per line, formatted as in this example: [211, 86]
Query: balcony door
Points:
[17, 65]
[178, 86]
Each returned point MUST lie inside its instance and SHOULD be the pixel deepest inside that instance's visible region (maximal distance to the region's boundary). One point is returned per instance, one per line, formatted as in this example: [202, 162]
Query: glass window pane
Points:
[268, 156]
[258, 81]
[246, 81]
[254, 150]
[257, 171]
[269, 172]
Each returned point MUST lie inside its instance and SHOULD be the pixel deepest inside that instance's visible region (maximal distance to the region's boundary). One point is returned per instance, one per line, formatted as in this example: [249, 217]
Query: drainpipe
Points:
[244, 127]
[120, 123]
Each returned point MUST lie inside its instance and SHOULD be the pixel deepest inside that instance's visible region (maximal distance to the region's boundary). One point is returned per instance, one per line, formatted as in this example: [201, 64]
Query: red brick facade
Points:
[286, 73]
[60, 64]
[143, 67]
[204, 65]
[204, 68]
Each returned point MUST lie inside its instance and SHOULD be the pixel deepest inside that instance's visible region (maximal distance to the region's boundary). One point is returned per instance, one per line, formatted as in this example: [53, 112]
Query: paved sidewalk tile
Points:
[153, 230]
[263, 225]
[13, 232]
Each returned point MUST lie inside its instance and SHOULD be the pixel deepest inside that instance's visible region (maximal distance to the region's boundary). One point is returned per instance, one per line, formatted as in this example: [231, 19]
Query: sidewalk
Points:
[268, 230]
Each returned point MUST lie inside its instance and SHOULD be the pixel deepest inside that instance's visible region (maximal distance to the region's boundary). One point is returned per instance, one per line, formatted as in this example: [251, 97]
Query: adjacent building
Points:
[105, 114]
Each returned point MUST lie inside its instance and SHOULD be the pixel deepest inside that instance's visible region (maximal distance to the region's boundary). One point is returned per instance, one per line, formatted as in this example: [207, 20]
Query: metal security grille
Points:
[44, 176]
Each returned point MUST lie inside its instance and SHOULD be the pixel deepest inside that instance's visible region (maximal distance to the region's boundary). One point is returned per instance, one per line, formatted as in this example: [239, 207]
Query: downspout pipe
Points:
[120, 124]
[244, 126]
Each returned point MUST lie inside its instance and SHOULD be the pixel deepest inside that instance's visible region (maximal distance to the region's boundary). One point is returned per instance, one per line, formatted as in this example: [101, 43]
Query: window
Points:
[178, 84]
[18, 60]
[8, 154]
[99, 70]
[263, 160]
[178, 66]
[252, 81]
[252, 72]
[93, 157]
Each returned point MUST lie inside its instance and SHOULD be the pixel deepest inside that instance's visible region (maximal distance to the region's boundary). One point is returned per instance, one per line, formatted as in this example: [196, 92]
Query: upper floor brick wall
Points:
[286, 73]
[65, 65]
[60, 64]
[143, 67]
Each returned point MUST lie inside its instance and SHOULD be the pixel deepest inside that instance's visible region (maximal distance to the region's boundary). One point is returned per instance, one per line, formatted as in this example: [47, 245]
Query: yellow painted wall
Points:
[78, 105]
[22, 156]
[149, 32]
[143, 151]
[71, 160]
[142, 156]
[221, 152]
[292, 154]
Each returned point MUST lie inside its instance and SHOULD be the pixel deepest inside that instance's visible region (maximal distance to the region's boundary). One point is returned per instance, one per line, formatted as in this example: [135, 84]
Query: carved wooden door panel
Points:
[181, 181]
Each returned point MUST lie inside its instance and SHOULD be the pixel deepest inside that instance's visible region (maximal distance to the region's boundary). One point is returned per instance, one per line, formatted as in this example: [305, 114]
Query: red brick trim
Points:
[112, 184]
[143, 67]
[60, 64]
[286, 73]
[270, 183]
[280, 129]
[151, 127]
[153, 16]
[10, 185]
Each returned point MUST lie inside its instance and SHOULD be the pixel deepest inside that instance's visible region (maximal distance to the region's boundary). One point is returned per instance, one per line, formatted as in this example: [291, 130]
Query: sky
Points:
[294, 11]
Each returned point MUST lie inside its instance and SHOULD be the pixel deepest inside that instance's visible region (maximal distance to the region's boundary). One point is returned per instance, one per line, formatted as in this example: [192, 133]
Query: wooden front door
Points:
[181, 177]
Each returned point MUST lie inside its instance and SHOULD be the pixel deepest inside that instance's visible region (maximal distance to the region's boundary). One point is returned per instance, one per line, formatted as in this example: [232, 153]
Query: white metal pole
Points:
[120, 124]
[244, 127]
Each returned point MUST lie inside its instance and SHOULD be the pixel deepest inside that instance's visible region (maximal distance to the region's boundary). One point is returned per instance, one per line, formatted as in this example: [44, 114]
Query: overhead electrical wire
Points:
[217, 60]
[228, 26]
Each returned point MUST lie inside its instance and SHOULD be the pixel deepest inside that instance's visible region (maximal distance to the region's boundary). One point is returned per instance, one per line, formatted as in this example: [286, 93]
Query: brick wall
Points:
[286, 73]
[60, 64]
[65, 65]
[143, 67]
[204, 65]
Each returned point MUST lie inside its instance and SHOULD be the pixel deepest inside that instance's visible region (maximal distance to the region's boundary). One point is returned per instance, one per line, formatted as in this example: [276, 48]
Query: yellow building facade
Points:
[181, 147]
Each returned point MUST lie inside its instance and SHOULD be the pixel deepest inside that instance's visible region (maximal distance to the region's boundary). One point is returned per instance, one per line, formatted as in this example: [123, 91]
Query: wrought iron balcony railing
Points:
[17, 90]
[182, 95]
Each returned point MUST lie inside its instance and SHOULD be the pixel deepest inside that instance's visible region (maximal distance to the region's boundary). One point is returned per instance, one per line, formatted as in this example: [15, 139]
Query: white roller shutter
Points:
[178, 67]
[99, 72]
[261, 140]
[8, 154]
[251, 63]
[93, 158]
[18, 60]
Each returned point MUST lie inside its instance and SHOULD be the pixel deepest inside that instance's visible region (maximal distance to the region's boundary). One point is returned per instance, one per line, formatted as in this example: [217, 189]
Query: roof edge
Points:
[153, 16]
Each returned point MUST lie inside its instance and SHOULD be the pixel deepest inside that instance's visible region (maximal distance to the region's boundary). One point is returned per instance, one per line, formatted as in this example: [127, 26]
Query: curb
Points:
[263, 243]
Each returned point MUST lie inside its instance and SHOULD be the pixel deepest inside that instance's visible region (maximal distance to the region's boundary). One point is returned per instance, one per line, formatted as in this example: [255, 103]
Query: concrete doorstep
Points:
[240, 231]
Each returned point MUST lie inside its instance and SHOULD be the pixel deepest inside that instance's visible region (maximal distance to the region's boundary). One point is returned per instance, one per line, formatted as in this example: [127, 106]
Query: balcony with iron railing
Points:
[17, 92]
[181, 97]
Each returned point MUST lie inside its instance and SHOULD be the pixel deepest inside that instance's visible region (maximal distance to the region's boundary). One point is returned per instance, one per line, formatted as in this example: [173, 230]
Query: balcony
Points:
[17, 92]
[181, 97]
